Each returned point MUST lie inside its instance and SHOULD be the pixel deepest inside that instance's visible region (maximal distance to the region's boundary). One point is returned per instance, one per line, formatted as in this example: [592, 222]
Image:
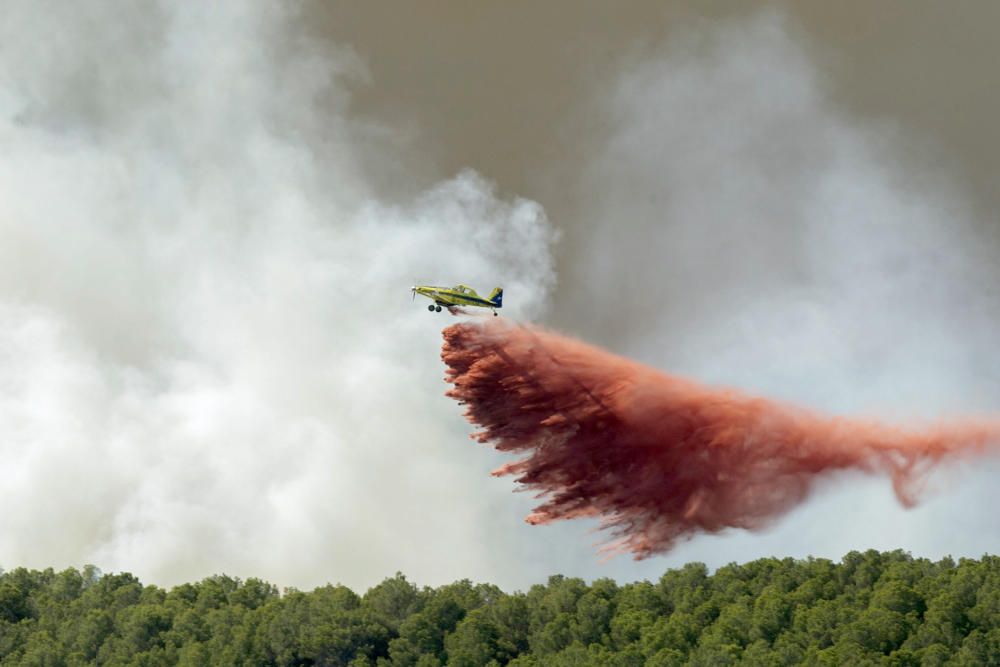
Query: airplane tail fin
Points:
[496, 297]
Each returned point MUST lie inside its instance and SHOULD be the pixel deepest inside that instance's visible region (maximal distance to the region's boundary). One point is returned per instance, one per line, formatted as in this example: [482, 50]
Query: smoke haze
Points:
[661, 459]
[210, 214]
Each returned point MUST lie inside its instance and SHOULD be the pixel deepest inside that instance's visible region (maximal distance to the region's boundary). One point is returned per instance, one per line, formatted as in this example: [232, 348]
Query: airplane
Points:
[459, 295]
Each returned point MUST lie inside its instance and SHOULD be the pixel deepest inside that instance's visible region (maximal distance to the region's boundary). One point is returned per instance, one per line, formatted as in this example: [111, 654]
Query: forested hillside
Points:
[872, 608]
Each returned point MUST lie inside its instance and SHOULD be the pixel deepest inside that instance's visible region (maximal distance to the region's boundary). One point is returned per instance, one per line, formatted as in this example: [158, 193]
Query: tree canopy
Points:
[870, 609]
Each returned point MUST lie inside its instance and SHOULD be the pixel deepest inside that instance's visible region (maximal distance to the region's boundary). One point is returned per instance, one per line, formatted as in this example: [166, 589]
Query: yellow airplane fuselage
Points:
[460, 295]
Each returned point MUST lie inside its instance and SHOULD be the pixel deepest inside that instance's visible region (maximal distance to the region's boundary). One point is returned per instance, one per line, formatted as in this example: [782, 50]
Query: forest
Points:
[871, 608]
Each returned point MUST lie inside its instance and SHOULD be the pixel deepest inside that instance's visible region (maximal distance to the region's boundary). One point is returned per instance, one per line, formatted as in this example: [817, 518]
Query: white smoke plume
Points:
[209, 360]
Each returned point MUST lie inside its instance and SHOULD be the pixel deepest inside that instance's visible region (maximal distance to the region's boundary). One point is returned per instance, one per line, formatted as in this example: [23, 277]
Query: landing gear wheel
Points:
[431, 307]
[437, 308]
[495, 313]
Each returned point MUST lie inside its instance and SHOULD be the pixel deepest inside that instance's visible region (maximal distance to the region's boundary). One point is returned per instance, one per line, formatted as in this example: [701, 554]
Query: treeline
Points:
[872, 608]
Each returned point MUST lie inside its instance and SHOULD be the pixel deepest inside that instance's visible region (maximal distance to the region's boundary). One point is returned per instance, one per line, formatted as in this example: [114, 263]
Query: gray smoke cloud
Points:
[209, 361]
[736, 226]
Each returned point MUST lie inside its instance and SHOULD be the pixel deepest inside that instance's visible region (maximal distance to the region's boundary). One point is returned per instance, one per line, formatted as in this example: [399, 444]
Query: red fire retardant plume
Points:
[659, 458]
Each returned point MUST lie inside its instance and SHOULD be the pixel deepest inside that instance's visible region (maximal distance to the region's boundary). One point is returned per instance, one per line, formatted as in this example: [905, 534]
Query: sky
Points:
[210, 216]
